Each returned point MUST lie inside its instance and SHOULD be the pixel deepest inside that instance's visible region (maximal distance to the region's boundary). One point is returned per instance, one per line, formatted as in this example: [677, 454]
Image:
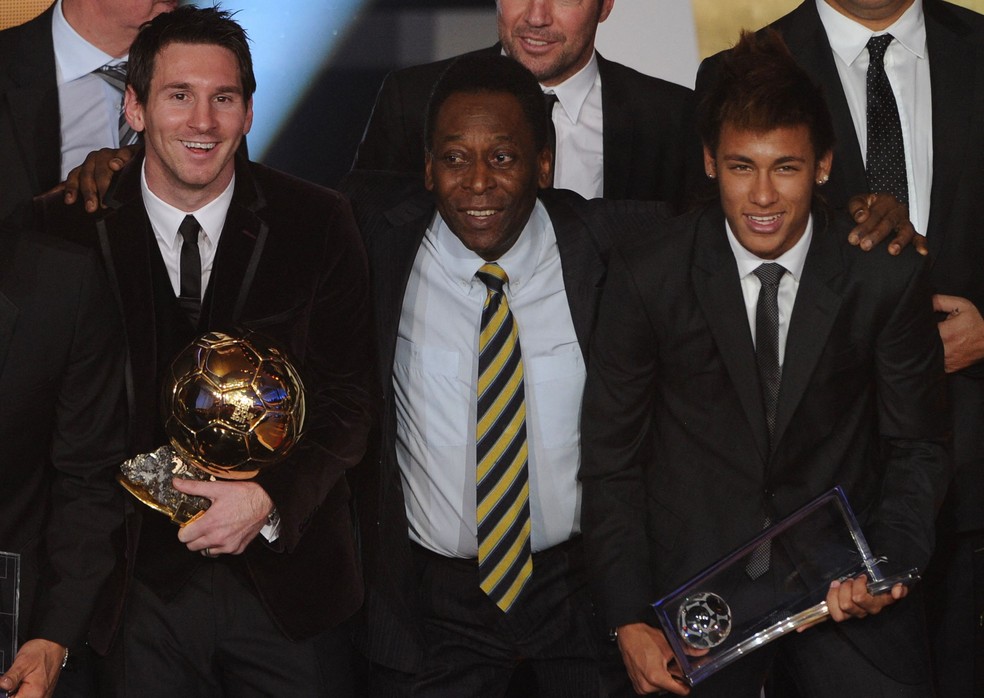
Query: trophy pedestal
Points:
[148, 478]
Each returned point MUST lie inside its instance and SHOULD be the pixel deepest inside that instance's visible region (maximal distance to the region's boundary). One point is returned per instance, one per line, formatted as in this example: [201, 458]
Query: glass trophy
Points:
[9, 599]
[771, 586]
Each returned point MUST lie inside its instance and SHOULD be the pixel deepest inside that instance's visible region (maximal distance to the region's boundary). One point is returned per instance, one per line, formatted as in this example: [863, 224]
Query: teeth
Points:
[200, 146]
[765, 219]
[480, 214]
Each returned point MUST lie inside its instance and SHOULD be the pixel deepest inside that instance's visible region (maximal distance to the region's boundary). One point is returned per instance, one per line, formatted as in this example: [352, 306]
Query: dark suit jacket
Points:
[289, 265]
[30, 126]
[61, 374]
[393, 213]
[648, 136]
[676, 463]
[955, 40]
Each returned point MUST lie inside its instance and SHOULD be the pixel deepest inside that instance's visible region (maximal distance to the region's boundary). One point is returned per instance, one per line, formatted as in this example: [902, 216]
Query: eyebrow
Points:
[222, 89]
[778, 161]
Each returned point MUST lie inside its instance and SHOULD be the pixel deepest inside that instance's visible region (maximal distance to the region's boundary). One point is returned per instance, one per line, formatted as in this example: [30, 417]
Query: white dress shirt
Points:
[434, 380]
[165, 220]
[793, 261]
[907, 66]
[89, 106]
[577, 117]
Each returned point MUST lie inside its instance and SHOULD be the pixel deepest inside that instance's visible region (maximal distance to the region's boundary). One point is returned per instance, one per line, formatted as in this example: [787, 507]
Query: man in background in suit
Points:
[249, 598]
[934, 62]
[59, 96]
[747, 359]
[619, 134]
[61, 372]
[437, 621]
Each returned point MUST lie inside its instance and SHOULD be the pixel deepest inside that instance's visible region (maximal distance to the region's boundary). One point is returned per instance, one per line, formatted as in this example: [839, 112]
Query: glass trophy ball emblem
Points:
[704, 620]
[232, 406]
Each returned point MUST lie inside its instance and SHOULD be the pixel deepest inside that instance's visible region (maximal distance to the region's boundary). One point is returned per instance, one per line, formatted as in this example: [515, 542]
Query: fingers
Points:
[92, 178]
[951, 305]
[878, 216]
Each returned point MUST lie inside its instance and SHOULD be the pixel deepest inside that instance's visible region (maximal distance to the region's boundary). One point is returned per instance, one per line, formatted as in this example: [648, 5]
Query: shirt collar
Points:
[74, 56]
[166, 219]
[519, 262]
[573, 92]
[848, 38]
[793, 259]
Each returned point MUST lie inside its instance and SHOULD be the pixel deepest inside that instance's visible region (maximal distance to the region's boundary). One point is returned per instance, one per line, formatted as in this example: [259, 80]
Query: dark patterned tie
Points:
[505, 560]
[190, 297]
[115, 75]
[550, 99]
[767, 338]
[885, 162]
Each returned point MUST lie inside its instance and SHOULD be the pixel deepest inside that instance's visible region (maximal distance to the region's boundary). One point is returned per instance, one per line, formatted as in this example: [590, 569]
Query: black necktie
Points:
[115, 76]
[550, 99]
[886, 153]
[190, 298]
[767, 338]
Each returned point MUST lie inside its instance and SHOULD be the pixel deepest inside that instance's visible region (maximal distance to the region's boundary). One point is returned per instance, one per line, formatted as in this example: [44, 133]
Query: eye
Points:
[502, 158]
[453, 159]
[739, 167]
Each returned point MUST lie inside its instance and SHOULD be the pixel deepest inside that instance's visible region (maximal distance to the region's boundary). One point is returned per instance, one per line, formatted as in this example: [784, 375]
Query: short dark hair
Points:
[475, 73]
[188, 25]
[760, 88]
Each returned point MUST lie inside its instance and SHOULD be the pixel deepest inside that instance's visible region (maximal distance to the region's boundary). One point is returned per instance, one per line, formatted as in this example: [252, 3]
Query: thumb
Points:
[945, 304]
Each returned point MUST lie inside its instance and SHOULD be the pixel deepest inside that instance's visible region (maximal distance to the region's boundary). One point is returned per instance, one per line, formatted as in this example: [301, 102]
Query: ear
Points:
[823, 166]
[428, 176]
[710, 164]
[133, 109]
[544, 168]
[248, 124]
[606, 9]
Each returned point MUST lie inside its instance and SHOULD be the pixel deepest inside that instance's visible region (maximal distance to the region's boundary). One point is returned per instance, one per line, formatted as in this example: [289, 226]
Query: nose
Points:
[763, 192]
[201, 117]
[479, 177]
[538, 13]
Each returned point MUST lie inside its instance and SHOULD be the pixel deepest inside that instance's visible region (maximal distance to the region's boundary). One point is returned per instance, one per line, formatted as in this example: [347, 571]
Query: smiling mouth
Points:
[764, 220]
[481, 213]
[195, 145]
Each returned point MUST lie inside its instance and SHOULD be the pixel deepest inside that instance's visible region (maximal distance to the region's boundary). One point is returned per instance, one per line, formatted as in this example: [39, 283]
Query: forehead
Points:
[777, 142]
[177, 60]
[469, 114]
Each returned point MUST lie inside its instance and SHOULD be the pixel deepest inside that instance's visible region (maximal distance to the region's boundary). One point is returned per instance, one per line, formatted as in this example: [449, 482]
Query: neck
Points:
[96, 26]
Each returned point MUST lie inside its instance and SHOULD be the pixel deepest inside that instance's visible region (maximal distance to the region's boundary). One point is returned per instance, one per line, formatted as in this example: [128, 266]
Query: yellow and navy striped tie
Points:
[505, 561]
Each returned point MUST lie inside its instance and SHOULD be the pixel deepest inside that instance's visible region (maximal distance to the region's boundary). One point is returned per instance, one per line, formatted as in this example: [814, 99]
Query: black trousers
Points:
[550, 643]
[215, 638]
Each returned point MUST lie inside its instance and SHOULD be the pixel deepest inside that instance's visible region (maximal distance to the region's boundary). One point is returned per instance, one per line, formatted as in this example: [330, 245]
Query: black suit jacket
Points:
[648, 134]
[677, 466]
[30, 125]
[955, 41]
[393, 212]
[289, 265]
[61, 374]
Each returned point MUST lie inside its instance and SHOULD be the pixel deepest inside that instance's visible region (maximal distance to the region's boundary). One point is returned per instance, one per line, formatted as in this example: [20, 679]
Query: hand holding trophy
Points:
[232, 406]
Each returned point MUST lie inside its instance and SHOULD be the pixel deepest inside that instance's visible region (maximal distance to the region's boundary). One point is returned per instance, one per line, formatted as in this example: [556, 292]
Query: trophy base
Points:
[148, 478]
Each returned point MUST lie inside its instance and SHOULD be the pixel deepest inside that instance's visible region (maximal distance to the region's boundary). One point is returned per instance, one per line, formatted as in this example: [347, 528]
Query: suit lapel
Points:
[617, 132]
[720, 297]
[583, 268]
[814, 313]
[125, 239]
[956, 78]
[33, 104]
[237, 258]
[392, 250]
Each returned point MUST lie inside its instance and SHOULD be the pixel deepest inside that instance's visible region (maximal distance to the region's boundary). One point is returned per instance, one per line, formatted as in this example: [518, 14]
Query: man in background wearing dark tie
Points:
[619, 134]
[905, 83]
[746, 360]
[249, 598]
